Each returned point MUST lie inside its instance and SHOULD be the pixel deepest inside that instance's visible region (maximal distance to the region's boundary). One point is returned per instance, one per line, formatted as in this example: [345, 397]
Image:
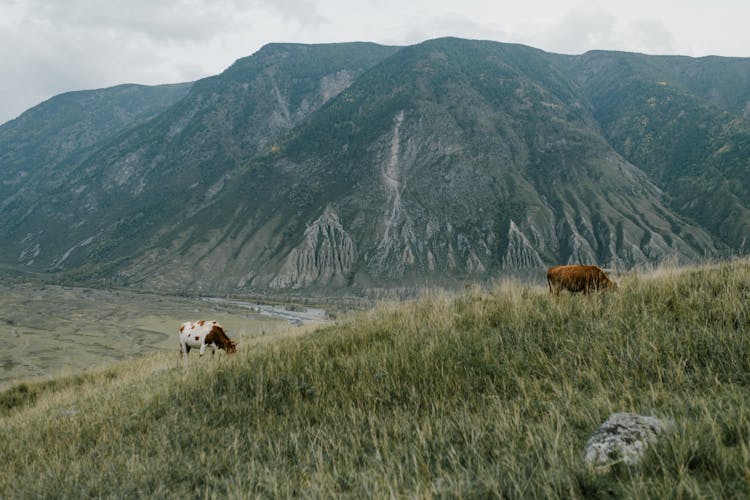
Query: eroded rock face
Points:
[520, 253]
[326, 255]
[623, 438]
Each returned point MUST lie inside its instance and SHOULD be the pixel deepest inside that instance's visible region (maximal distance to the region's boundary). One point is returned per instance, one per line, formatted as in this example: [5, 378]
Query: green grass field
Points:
[483, 394]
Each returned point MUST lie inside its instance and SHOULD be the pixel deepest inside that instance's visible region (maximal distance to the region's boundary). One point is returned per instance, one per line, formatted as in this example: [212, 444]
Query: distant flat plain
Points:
[48, 330]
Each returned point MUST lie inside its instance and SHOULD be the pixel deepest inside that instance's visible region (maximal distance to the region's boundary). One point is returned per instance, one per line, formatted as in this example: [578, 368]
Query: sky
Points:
[48, 47]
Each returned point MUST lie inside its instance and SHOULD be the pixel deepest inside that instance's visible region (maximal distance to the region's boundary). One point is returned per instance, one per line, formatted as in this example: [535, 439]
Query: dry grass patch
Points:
[482, 394]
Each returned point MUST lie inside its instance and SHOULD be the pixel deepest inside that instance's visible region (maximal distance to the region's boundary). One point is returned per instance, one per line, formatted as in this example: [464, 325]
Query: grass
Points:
[49, 330]
[484, 394]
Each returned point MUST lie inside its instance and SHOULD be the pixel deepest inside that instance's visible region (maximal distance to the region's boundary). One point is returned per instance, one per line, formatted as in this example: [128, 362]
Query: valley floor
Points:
[49, 330]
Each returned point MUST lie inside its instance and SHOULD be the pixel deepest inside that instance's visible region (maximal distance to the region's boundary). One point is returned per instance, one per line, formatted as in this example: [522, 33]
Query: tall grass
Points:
[482, 394]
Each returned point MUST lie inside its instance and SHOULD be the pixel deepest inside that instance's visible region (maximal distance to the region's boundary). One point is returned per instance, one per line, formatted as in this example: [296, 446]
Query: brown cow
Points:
[202, 334]
[577, 279]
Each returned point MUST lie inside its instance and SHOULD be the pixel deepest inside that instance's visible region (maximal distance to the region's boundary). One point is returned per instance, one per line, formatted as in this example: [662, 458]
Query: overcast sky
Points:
[52, 46]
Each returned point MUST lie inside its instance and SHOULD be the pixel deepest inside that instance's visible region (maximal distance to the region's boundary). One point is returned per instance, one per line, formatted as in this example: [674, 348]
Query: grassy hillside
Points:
[483, 394]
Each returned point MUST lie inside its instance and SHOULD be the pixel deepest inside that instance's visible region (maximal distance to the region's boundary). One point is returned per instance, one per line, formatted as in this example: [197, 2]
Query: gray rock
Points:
[326, 255]
[624, 438]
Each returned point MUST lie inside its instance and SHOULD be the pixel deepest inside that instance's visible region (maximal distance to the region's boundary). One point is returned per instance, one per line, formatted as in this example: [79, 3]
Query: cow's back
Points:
[193, 333]
[577, 278]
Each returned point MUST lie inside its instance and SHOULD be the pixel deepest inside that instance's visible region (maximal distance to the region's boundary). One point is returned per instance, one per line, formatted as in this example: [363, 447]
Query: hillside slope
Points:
[687, 130]
[49, 133]
[129, 190]
[482, 394]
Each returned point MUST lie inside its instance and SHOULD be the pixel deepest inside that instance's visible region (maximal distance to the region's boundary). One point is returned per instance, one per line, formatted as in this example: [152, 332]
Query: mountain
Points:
[129, 188]
[683, 122]
[35, 146]
[48, 133]
[343, 168]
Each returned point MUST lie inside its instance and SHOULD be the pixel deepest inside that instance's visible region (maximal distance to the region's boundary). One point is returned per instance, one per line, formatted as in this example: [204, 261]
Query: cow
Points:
[577, 279]
[202, 334]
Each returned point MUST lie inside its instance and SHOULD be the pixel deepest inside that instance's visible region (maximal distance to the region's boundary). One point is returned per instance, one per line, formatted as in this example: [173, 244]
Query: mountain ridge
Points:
[338, 168]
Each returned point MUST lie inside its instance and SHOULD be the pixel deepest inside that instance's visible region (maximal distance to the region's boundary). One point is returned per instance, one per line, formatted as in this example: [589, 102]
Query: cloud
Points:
[587, 26]
[170, 20]
[303, 12]
[176, 20]
[47, 64]
[445, 25]
[590, 26]
[652, 37]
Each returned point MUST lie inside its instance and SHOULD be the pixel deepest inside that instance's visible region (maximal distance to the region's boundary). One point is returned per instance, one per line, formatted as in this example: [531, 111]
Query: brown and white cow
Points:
[577, 279]
[202, 334]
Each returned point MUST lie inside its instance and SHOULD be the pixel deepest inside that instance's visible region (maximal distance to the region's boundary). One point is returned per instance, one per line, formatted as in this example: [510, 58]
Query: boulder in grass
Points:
[623, 438]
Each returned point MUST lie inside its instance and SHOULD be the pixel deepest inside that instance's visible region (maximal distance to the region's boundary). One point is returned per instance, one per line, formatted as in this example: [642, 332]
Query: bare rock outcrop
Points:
[623, 438]
[326, 255]
[520, 252]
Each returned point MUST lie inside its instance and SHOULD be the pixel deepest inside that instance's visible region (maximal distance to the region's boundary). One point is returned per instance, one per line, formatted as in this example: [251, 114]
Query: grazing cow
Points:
[577, 279]
[200, 334]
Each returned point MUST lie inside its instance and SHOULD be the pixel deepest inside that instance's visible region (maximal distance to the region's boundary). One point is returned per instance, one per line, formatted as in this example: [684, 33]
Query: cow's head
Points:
[218, 336]
[608, 284]
[230, 347]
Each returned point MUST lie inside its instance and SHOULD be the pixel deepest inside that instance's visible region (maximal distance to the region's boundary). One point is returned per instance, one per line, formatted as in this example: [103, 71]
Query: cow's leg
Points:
[185, 350]
[203, 349]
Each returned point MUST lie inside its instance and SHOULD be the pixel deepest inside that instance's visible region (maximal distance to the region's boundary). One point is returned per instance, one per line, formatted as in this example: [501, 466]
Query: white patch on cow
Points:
[193, 336]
